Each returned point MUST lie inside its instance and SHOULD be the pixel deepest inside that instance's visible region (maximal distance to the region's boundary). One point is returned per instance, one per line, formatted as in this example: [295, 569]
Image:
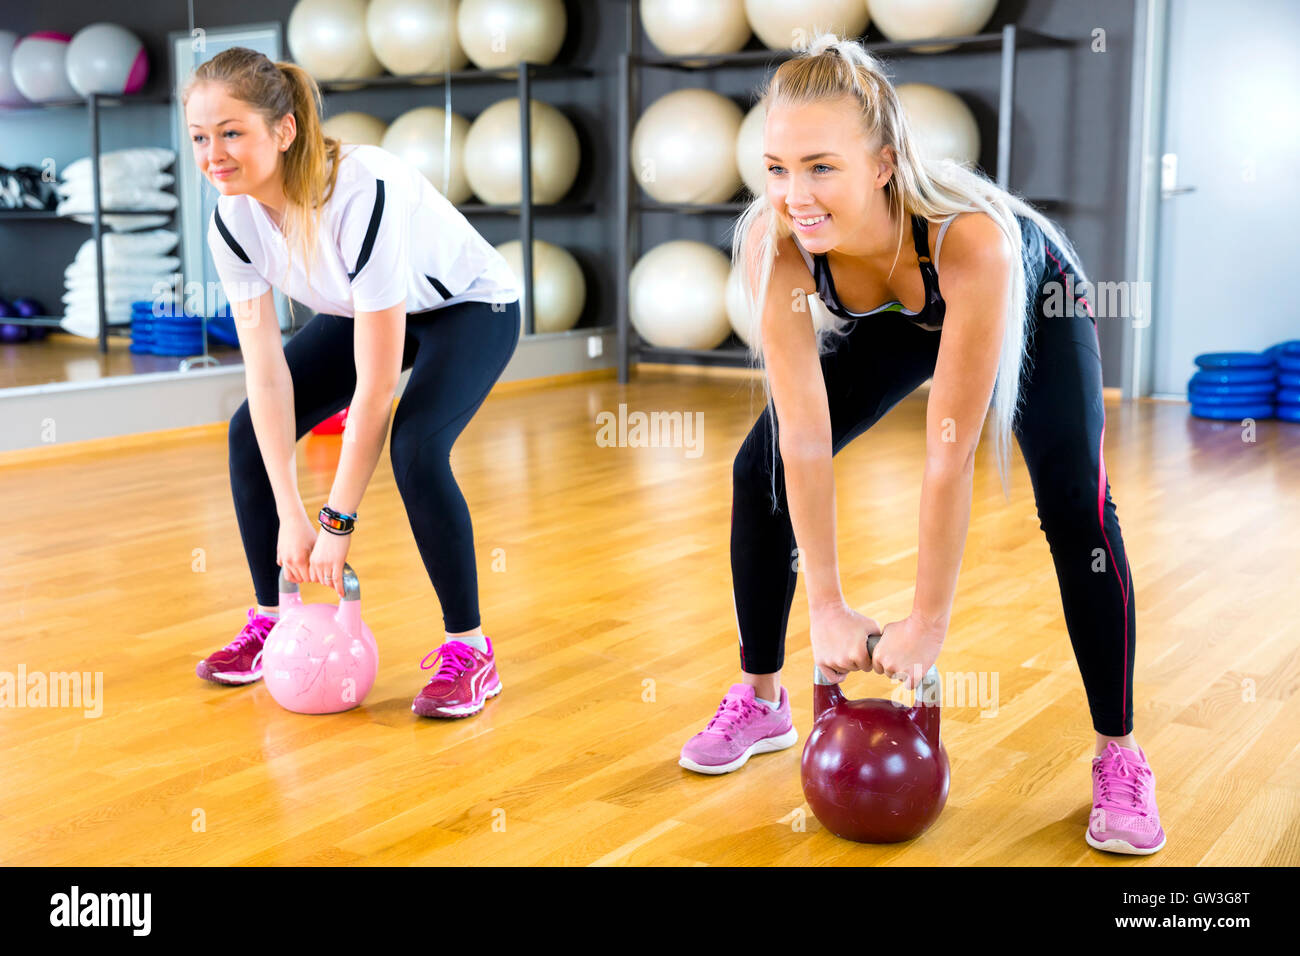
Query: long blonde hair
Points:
[831, 69]
[309, 166]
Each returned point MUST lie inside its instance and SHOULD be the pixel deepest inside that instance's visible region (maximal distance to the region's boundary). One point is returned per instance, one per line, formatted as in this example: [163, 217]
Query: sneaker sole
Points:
[1116, 845]
[463, 710]
[766, 745]
[233, 678]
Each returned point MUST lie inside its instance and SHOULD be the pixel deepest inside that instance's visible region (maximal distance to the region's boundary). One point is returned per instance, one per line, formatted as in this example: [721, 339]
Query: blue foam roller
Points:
[1240, 388]
[1289, 413]
[1233, 360]
[1232, 376]
[1289, 379]
[1289, 395]
[1288, 363]
[1232, 412]
[1291, 347]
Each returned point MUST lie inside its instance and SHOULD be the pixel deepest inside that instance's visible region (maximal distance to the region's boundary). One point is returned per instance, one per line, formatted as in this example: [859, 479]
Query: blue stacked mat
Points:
[1233, 386]
[1286, 355]
[171, 331]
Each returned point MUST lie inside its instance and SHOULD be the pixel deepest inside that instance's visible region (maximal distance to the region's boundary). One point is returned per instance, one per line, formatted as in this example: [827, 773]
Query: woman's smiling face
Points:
[233, 147]
[822, 177]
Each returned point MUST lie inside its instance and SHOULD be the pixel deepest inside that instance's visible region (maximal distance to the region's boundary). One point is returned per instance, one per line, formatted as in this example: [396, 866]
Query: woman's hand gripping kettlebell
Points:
[839, 640]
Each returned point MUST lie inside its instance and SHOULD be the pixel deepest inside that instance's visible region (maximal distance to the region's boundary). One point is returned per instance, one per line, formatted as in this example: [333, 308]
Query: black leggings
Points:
[883, 359]
[455, 354]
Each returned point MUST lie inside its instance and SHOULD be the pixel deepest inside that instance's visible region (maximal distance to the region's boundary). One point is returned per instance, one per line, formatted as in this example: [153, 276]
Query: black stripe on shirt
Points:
[368, 245]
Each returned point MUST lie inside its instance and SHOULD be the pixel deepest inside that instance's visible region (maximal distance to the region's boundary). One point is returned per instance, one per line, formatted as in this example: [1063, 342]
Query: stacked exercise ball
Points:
[678, 295]
[420, 135]
[494, 153]
[901, 20]
[356, 127]
[684, 147]
[689, 27]
[678, 28]
[501, 33]
[353, 39]
[942, 123]
[558, 284]
[782, 24]
[413, 37]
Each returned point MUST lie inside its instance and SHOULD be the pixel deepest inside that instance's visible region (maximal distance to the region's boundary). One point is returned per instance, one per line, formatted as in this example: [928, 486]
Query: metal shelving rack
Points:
[523, 74]
[1008, 42]
[94, 102]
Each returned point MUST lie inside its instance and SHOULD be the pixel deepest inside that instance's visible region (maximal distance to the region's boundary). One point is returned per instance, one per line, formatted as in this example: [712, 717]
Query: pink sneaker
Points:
[462, 683]
[1124, 816]
[240, 661]
[741, 728]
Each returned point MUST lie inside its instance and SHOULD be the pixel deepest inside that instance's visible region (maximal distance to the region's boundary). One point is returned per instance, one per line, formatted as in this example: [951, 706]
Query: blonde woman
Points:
[399, 280]
[875, 268]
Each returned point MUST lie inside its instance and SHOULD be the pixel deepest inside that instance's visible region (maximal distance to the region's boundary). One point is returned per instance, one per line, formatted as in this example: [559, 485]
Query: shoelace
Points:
[455, 658]
[1129, 782]
[253, 631]
[734, 713]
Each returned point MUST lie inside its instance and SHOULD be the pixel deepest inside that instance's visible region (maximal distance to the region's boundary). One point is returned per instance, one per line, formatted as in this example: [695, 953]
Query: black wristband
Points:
[336, 523]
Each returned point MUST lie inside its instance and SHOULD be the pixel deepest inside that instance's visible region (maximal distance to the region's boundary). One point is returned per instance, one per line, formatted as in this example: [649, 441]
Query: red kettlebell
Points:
[873, 771]
[334, 425]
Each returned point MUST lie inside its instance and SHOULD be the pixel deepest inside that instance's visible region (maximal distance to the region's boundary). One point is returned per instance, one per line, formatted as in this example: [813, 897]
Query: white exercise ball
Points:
[9, 93]
[355, 127]
[687, 27]
[494, 153]
[943, 125]
[684, 147]
[107, 58]
[902, 20]
[559, 287]
[327, 38]
[784, 24]
[749, 150]
[500, 33]
[743, 322]
[678, 295]
[40, 67]
[415, 36]
[419, 135]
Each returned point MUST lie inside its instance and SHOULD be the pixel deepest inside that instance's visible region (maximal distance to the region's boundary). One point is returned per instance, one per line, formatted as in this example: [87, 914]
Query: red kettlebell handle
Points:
[924, 711]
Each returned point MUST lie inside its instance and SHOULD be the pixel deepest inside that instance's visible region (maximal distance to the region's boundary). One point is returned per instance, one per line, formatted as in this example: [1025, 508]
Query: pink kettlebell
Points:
[320, 658]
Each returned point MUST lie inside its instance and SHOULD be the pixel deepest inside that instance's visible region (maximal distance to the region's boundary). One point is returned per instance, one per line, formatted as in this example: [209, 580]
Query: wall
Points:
[1070, 128]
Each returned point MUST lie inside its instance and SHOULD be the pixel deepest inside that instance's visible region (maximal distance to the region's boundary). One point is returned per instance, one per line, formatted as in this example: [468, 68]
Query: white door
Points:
[1229, 207]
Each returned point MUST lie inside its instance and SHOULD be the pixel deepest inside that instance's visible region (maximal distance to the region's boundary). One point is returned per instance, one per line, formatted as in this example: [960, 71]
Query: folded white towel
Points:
[125, 223]
[122, 268]
[129, 246]
[126, 199]
[124, 163]
[79, 184]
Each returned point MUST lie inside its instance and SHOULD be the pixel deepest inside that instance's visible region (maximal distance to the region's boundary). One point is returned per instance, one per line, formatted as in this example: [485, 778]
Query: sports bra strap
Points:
[934, 303]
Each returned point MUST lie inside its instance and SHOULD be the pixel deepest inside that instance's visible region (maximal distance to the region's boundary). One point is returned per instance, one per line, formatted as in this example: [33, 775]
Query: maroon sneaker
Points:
[240, 661]
[464, 680]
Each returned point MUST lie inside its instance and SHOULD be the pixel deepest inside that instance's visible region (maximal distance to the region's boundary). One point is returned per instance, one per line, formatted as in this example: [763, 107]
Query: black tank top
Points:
[931, 315]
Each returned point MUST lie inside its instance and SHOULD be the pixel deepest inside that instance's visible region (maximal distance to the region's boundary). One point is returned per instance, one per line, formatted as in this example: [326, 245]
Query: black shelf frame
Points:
[1008, 42]
[93, 103]
[522, 75]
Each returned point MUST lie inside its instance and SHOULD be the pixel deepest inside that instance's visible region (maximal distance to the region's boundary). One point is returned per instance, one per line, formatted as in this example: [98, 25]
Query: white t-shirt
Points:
[386, 234]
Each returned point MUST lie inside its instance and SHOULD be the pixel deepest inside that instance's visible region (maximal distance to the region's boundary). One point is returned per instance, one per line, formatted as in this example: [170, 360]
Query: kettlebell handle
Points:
[351, 586]
[927, 693]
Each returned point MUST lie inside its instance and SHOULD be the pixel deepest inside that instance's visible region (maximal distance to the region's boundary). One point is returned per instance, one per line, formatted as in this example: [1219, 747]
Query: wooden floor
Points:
[62, 357]
[610, 603]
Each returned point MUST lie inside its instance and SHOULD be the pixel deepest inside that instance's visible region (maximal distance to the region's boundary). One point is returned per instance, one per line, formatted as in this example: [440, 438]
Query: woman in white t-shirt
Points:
[398, 279]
